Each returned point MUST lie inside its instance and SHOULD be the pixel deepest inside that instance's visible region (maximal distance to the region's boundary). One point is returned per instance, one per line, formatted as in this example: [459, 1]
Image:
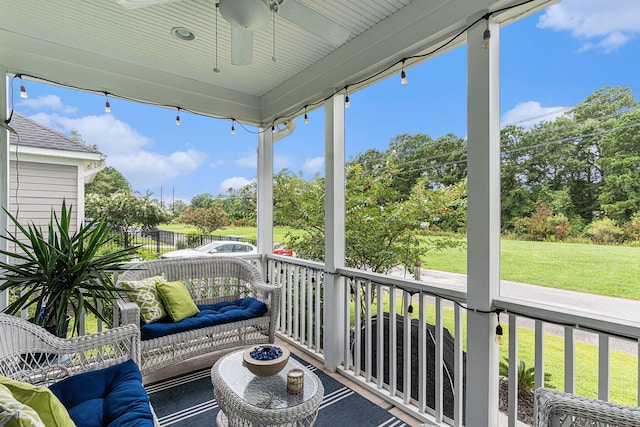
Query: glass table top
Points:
[265, 392]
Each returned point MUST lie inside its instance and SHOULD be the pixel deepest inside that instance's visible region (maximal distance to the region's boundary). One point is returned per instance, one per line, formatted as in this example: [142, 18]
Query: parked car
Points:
[282, 250]
[214, 248]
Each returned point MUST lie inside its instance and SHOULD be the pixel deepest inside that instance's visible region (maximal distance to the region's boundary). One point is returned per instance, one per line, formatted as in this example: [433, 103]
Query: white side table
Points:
[248, 400]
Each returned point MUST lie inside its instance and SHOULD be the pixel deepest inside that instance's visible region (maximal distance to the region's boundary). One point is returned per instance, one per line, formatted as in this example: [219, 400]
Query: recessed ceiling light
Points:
[183, 33]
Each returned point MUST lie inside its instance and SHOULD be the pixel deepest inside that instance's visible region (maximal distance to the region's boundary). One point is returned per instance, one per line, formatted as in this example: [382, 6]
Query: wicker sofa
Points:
[95, 377]
[209, 280]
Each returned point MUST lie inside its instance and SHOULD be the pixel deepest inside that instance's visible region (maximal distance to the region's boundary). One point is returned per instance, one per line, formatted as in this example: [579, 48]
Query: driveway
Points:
[616, 308]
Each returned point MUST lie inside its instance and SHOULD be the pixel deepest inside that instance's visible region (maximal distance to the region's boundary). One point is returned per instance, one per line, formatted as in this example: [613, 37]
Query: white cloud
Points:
[612, 23]
[527, 114]
[216, 164]
[282, 162]
[248, 161]
[313, 166]
[47, 102]
[235, 183]
[127, 150]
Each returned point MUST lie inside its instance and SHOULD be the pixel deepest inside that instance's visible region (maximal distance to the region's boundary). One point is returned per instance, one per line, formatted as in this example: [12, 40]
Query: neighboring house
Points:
[45, 168]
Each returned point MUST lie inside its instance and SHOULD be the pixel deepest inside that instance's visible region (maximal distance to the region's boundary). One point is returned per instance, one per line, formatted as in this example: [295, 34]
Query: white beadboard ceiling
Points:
[98, 45]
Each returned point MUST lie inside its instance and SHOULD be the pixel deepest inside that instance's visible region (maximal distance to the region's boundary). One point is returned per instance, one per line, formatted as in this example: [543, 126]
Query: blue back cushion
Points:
[112, 396]
[209, 315]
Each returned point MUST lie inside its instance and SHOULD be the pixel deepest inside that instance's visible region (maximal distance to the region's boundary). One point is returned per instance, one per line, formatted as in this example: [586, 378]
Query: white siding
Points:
[40, 187]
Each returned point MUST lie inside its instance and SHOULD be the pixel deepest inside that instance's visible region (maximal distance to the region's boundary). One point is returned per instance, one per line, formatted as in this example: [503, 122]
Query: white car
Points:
[214, 248]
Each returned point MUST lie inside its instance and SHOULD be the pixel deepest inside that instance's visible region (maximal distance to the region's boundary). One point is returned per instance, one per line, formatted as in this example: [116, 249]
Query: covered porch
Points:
[127, 52]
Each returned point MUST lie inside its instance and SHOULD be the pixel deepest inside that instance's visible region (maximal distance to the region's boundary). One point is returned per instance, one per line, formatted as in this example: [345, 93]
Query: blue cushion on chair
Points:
[209, 315]
[112, 396]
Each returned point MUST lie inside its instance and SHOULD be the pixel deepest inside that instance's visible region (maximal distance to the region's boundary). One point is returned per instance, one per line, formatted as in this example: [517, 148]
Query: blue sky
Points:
[549, 62]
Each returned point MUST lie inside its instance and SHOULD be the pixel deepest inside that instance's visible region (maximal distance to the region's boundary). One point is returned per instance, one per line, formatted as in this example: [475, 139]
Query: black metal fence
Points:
[161, 241]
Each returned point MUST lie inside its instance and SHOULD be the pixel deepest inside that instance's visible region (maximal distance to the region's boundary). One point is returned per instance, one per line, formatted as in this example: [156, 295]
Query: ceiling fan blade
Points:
[241, 45]
[137, 4]
[314, 22]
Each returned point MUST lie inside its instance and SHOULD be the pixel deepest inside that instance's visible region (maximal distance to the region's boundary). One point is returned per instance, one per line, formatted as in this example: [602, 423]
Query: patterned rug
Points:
[188, 400]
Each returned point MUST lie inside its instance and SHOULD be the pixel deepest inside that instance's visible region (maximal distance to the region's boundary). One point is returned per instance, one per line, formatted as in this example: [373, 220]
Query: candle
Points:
[295, 381]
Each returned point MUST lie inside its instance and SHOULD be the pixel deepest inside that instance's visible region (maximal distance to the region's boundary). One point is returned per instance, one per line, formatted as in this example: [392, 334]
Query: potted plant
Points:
[59, 274]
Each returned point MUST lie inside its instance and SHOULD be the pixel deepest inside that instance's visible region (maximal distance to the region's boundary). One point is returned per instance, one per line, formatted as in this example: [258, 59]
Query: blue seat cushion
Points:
[209, 315]
[112, 396]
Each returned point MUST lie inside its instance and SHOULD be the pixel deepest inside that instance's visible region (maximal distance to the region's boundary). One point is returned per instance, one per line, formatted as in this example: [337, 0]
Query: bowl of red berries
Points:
[265, 360]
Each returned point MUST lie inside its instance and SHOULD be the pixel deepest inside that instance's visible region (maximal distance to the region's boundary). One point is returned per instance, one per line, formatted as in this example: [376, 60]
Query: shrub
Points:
[559, 226]
[539, 222]
[526, 375]
[605, 231]
[632, 229]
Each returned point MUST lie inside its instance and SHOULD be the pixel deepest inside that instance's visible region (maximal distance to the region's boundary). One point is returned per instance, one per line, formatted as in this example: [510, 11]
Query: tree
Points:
[620, 196]
[177, 208]
[206, 220]
[107, 182]
[123, 211]
[204, 200]
[380, 228]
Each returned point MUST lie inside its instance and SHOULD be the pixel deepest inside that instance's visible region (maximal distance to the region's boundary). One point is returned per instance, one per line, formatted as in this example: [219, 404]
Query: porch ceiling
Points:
[102, 46]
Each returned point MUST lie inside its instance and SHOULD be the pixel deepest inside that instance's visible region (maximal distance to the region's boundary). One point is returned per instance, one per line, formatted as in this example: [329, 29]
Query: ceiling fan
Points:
[247, 16]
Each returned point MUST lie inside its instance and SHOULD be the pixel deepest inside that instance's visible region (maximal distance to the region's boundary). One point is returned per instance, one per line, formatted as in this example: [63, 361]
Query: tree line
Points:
[575, 175]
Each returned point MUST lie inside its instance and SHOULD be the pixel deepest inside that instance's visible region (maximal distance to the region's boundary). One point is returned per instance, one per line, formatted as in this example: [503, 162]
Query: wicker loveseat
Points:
[95, 377]
[209, 280]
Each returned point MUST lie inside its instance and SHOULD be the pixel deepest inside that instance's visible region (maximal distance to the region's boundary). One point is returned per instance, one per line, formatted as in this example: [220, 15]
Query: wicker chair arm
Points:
[127, 312]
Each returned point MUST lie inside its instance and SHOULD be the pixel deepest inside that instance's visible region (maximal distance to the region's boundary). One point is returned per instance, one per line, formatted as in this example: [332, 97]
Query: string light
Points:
[403, 75]
[107, 106]
[306, 116]
[499, 332]
[273, 129]
[233, 128]
[23, 90]
[346, 99]
[178, 117]
[486, 37]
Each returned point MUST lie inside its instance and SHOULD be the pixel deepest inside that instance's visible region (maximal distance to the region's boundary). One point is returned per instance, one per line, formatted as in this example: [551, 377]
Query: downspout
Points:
[4, 175]
[86, 176]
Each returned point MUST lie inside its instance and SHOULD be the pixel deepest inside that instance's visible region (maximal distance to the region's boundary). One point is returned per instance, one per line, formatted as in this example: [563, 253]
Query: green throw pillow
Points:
[42, 400]
[177, 300]
[16, 414]
[145, 294]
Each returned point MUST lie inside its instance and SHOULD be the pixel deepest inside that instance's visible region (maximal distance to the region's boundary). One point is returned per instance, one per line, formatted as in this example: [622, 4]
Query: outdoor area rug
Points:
[188, 400]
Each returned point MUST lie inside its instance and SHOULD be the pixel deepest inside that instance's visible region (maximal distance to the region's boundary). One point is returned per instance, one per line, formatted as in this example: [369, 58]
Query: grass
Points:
[597, 269]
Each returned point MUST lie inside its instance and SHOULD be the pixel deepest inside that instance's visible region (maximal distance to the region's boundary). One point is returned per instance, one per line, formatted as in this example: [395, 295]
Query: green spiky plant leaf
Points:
[58, 273]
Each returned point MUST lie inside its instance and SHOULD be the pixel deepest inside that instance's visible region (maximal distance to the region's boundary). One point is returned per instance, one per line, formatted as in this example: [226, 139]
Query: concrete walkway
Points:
[589, 304]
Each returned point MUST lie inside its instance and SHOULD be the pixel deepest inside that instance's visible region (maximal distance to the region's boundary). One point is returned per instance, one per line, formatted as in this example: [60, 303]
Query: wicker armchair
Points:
[30, 354]
[558, 409]
[209, 280]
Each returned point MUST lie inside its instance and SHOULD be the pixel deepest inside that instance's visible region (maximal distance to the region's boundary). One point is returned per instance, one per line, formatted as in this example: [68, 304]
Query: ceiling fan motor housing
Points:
[247, 14]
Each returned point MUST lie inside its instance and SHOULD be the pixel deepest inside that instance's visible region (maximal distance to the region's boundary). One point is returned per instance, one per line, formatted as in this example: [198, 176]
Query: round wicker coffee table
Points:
[248, 400]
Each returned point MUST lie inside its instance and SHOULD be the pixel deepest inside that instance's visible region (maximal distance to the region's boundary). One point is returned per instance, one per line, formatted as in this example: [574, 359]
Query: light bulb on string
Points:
[499, 332]
[306, 116]
[347, 104]
[486, 36]
[273, 129]
[107, 105]
[23, 90]
[403, 76]
[178, 117]
[233, 128]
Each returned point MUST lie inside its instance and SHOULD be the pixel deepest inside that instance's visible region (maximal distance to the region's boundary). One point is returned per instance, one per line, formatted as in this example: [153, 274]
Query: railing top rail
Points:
[409, 285]
[296, 261]
[590, 322]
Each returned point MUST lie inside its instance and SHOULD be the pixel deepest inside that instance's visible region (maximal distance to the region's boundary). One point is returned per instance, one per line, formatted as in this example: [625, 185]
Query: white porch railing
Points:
[422, 342]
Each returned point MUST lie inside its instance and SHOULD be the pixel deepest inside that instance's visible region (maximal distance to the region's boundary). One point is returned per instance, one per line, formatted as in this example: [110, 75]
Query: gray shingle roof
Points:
[34, 134]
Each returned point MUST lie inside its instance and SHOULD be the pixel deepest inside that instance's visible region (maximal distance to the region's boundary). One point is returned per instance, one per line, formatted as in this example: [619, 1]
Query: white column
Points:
[334, 208]
[483, 224]
[265, 192]
[4, 174]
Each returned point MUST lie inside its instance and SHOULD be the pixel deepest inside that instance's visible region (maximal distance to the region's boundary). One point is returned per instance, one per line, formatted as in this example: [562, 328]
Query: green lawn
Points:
[246, 232]
[597, 269]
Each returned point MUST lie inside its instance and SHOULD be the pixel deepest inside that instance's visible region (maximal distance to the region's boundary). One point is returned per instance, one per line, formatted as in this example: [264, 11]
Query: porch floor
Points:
[207, 360]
